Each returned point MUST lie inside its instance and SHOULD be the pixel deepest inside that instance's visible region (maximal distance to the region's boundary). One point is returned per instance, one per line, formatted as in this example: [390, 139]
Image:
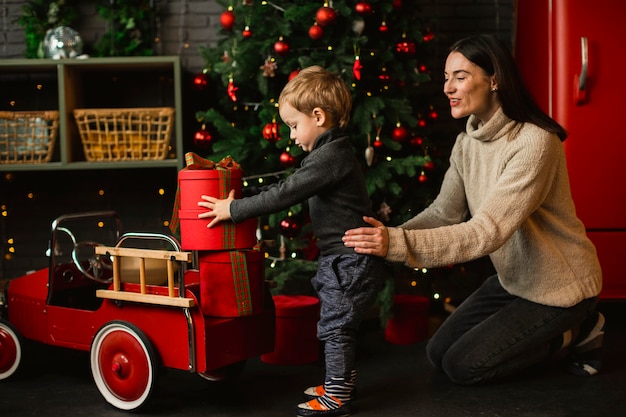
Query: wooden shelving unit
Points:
[65, 85]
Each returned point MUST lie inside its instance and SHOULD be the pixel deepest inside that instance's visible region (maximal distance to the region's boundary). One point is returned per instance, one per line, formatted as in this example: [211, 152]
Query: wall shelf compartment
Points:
[65, 85]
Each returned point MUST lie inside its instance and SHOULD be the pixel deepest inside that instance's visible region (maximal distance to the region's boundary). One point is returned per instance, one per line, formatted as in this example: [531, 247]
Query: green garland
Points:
[128, 34]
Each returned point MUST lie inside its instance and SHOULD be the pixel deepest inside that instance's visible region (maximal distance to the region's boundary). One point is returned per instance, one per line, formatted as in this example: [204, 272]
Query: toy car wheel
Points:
[10, 349]
[123, 364]
[224, 373]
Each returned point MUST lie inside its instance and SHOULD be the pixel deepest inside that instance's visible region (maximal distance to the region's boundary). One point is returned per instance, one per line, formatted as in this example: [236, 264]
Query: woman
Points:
[506, 194]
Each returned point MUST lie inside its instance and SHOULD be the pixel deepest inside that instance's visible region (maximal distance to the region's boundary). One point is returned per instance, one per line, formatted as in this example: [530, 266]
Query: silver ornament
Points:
[62, 42]
[369, 155]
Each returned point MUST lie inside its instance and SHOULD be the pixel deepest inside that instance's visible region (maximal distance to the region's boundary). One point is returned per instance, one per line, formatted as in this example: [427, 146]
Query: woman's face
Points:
[469, 89]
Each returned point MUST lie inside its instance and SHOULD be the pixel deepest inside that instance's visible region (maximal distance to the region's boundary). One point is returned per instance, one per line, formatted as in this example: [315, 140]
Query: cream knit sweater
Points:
[506, 195]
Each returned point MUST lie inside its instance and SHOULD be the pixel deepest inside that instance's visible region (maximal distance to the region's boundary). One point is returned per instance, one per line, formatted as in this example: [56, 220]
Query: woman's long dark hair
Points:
[493, 56]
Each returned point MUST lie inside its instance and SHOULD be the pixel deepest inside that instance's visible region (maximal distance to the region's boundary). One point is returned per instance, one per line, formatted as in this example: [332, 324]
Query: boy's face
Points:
[304, 128]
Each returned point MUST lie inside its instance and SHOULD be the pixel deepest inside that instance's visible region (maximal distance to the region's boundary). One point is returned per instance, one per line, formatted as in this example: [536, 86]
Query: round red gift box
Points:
[409, 323]
[296, 340]
[194, 183]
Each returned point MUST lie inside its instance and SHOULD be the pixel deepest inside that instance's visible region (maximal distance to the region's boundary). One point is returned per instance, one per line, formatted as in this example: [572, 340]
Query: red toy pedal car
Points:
[134, 308]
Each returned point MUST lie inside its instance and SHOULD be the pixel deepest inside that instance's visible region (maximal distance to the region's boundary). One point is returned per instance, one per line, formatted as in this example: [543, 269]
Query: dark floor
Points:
[393, 381]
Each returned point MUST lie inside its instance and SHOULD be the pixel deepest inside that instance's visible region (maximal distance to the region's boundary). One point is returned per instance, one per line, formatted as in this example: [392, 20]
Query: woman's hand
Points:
[368, 240]
[219, 209]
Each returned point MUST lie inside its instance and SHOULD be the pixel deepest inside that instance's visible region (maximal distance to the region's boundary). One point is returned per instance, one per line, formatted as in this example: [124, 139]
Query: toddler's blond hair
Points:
[317, 87]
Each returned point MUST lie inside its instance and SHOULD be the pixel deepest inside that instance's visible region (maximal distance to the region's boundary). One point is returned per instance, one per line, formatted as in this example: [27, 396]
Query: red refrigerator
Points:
[573, 58]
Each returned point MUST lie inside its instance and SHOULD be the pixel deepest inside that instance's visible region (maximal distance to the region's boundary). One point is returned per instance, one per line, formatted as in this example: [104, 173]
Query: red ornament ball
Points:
[378, 144]
[202, 139]
[383, 28]
[428, 36]
[287, 160]
[247, 33]
[200, 81]
[399, 134]
[417, 141]
[406, 47]
[422, 178]
[292, 74]
[281, 47]
[290, 227]
[227, 19]
[363, 8]
[429, 165]
[325, 16]
[316, 32]
[271, 132]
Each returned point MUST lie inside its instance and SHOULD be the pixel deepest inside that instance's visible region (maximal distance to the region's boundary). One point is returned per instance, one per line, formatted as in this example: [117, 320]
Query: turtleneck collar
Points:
[328, 136]
[497, 127]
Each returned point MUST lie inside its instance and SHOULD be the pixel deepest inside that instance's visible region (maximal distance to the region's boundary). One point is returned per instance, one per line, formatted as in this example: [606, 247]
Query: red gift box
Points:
[296, 330]
[195, 235]
[409, 323]
[194, 183]
[203, 177]
[231, 283]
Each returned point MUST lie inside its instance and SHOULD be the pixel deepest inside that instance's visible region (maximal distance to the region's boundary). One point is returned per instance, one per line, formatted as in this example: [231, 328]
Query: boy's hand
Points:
[219, 209]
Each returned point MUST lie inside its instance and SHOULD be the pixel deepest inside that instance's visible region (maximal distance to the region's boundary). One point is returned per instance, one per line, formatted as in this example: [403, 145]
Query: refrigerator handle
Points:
[580, 80]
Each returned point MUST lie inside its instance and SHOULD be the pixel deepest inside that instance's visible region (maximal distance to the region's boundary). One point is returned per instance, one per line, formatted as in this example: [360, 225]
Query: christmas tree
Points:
[381, 48]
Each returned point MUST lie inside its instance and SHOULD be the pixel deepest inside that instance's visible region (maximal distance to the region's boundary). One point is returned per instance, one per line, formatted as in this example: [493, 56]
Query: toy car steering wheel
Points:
[96, 263]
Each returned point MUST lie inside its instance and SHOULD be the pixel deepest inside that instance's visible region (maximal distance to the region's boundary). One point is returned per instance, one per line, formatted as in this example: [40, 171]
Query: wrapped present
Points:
[409, 323]
[218, 182]
[231, 282]
[205, 177]
[296, 340]
[196, 235]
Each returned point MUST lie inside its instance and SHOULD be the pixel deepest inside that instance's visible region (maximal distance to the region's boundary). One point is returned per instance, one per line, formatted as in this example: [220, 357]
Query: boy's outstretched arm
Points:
[219, 208]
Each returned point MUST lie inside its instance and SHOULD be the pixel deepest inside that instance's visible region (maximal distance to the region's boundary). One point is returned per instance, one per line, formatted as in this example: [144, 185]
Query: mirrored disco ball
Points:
[62, 42]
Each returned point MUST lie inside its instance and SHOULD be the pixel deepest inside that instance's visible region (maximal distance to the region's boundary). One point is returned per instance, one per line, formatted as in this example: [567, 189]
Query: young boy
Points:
[316, 105]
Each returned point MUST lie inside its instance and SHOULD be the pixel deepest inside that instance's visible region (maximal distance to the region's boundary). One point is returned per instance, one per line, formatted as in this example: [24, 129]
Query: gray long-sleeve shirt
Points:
[332, 181]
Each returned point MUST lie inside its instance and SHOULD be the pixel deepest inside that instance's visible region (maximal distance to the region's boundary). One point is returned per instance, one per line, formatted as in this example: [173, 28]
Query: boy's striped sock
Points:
[333, 401]
[314, 392]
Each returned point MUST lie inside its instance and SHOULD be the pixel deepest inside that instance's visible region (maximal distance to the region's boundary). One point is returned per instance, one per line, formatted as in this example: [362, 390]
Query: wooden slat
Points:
[142, 275]
[117, 274]
[146, 298]
[144, 253]
[170, 278]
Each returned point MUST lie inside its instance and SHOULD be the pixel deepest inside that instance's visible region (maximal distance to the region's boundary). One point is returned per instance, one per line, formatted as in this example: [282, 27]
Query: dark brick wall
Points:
[188, 24]
[29, 201]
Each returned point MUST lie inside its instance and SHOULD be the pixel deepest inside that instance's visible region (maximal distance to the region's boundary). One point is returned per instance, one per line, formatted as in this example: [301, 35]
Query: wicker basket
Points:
[27, 137]
[125, 134]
